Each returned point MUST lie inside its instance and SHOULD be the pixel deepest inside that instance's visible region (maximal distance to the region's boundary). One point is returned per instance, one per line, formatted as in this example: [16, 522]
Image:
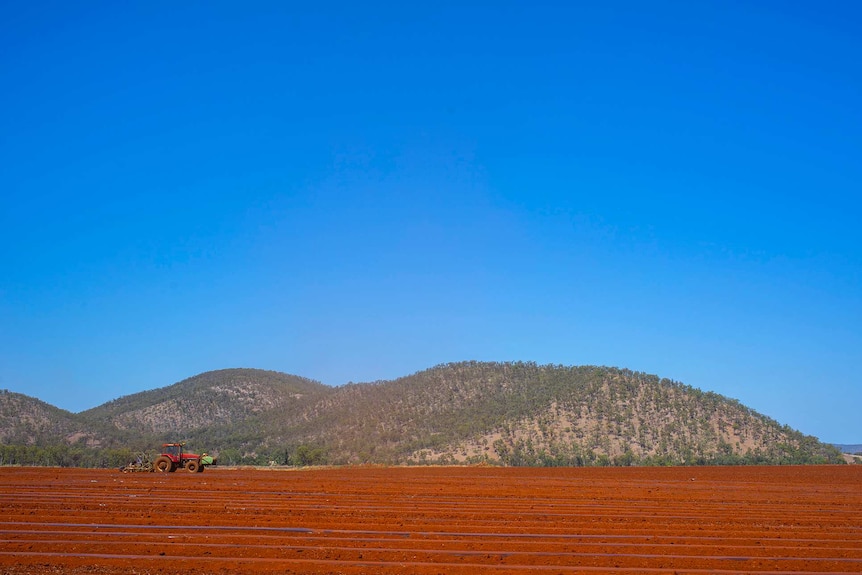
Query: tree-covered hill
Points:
[222, 398]
[470, 412]
[527, 414]
[26, 420]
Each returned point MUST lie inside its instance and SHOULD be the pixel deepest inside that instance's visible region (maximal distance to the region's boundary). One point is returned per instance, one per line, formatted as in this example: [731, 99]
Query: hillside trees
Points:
[513, 413]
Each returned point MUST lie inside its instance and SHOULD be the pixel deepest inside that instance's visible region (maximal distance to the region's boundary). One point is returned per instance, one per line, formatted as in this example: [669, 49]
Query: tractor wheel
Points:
[192, 466]
[164, 465]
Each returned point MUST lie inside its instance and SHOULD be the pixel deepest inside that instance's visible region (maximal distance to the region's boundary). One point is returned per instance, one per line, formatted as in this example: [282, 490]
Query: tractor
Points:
[173, 457]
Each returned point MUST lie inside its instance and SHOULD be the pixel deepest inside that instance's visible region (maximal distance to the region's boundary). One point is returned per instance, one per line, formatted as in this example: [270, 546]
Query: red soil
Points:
[430, 520]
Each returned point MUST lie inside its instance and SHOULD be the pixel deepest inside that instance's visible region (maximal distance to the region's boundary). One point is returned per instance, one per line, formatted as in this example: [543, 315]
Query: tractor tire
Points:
[164, 465]
[193, 466]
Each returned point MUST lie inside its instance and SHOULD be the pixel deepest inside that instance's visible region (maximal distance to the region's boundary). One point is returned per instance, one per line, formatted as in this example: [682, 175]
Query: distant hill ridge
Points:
[517, 413]
[221, 397]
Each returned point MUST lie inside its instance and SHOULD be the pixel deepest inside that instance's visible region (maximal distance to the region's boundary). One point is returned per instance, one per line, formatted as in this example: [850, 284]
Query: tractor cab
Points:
[173, 450]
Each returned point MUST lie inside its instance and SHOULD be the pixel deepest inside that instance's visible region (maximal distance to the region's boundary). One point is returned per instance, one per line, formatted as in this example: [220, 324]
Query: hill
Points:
[214, 399]
[526, 414]
[470, 412]
[25, 420]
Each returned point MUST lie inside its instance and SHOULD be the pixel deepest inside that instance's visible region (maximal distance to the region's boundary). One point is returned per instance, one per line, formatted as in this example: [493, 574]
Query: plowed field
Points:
[430, 520]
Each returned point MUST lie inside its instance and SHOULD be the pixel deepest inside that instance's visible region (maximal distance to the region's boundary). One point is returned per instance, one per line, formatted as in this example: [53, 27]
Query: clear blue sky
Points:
[359, 191]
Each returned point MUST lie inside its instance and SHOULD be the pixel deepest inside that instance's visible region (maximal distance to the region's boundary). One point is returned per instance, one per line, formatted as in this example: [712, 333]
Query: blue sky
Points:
[354, 192]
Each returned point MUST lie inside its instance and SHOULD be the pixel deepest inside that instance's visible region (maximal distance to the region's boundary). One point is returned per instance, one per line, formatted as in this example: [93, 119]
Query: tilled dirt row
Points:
[429, 520]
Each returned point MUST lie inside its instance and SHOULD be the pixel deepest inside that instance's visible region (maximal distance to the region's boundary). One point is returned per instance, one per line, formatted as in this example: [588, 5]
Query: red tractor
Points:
[173, 457]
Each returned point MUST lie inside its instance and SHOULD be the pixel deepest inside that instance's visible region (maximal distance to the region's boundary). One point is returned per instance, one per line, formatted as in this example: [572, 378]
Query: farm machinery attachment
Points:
[141, 463]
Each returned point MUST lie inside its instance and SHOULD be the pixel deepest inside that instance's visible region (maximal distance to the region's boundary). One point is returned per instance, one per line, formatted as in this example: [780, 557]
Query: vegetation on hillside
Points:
[472, 412]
